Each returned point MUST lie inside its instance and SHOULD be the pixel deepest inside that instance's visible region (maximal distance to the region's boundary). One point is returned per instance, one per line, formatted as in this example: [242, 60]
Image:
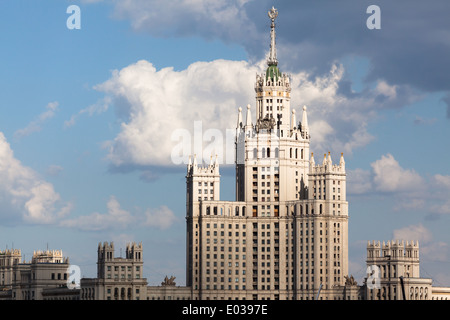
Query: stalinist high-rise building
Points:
[286, 235]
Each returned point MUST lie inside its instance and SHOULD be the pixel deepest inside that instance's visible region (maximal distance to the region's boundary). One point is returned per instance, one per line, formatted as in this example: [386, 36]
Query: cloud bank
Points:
[153, 104]
[411, 191]
[24, 195]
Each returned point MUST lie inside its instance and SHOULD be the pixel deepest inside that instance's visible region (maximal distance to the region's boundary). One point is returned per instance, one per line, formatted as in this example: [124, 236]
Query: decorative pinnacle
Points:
[273, 14]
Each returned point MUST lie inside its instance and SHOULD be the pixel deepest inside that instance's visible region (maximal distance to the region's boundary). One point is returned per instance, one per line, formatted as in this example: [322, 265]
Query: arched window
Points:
[320, 209]
[255, 153]
[296, 153]
[268, 152]
[290, 153]
[301, 154]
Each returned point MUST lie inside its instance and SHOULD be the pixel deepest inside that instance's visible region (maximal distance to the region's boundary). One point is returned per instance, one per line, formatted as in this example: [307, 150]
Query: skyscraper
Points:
[285, 236]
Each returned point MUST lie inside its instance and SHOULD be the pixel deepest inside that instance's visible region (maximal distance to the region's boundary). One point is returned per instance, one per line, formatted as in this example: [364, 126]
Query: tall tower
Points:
[202, 186]
[105, 254]
[274, 148]
[285, 236]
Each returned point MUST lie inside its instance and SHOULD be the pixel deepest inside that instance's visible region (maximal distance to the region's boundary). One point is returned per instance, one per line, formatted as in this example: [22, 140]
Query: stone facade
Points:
[117, 278]
[31, 280]
[285, 236]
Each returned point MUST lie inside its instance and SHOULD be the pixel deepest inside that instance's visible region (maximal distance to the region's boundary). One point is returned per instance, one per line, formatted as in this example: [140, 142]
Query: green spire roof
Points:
[273, 73]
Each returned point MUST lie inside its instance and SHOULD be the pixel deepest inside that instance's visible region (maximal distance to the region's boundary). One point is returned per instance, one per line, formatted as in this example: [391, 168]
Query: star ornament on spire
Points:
[273, 14]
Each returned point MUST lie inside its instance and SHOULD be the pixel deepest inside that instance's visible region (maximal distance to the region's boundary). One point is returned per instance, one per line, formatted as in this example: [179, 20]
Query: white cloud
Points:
[154, 104]
[24, 193]
[430, 251]
[115, 217]
[391, 177]
[321, 131]
[161, 217]
[386, 176]
[413, 233]
[161, 102]
[97, 108]
[409, 189]
[359, 181]
[36, 125]
[386, 90]
[441, 180]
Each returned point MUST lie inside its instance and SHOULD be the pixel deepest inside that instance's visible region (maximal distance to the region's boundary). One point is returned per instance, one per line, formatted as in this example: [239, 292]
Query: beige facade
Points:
[286, 235]
[30, 280]
[395, 272]
[117, 278]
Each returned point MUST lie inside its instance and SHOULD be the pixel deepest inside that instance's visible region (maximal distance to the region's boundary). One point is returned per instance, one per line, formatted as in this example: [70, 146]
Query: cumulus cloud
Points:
[413, 232]
[161, 102]
[430, 250]
[161, 217]
[156, 105]
[408, 188]
[36, 124]
[24, 194]
[359, 181]
[115, 217]
[391, 177]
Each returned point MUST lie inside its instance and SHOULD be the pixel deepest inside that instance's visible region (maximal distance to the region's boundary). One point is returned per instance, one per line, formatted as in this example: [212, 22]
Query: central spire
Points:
[272, 61]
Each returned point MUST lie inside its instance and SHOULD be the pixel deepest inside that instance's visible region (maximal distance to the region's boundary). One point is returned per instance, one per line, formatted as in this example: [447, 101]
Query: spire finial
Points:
[273, 14]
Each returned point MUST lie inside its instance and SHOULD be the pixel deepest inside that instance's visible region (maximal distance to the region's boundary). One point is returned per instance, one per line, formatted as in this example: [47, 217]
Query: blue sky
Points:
[86, 117]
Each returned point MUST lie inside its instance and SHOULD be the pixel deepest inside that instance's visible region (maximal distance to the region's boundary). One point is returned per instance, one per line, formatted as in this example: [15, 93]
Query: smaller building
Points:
[394, 272]
[29, 280]
[117, 278]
